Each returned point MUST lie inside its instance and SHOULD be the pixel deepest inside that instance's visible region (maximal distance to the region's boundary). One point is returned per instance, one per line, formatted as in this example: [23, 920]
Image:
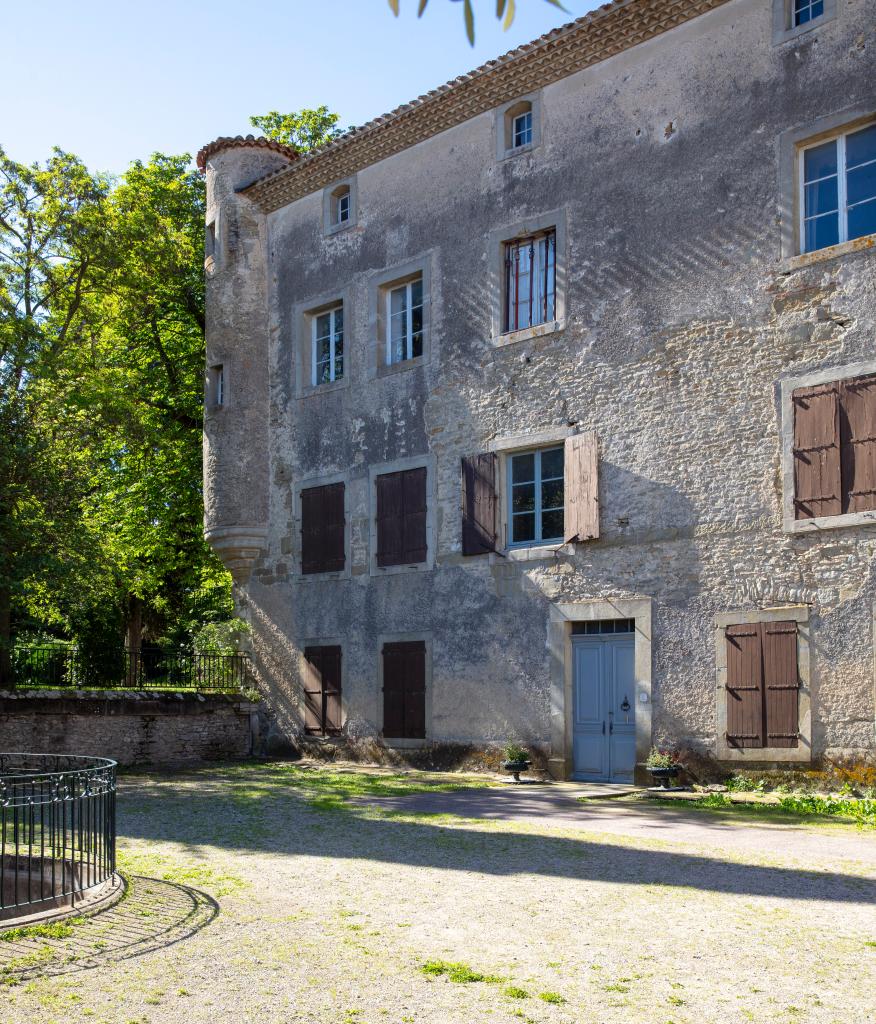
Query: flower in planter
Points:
[514, 752]
[662, 759]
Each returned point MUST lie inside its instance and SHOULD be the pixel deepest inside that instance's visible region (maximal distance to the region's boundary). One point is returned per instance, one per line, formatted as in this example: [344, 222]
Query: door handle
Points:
[603, 728]
[610, 728]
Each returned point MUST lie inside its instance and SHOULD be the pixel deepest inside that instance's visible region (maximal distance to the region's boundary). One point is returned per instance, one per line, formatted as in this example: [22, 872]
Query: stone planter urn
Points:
[664, 778]
[515, 768]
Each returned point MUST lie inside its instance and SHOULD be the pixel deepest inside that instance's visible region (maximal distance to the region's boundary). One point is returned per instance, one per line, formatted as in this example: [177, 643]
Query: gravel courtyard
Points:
[280, 893]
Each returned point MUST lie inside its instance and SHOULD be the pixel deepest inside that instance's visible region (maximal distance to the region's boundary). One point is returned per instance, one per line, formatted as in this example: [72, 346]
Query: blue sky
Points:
[113, 80]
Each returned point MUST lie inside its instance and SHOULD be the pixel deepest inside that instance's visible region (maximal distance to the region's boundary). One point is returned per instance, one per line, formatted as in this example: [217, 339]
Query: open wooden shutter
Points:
[414, 516]
[314, 717]
[389, 520]
[781, 683]
[858, 443]
[322, 529]
[817, 484]
[581, 518]
[331, 686]
[744, 686]
[479, 504]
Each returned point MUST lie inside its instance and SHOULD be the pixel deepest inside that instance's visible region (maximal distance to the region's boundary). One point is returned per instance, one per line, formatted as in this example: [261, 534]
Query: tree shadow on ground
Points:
[268, 816]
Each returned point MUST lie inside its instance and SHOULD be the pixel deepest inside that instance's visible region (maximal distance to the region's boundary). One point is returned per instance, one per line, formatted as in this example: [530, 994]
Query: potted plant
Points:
[516, 760]
[663, 766]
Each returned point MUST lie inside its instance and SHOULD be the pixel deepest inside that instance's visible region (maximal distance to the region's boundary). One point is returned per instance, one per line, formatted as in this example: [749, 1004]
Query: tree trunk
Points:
[134, 637]
[6, 681]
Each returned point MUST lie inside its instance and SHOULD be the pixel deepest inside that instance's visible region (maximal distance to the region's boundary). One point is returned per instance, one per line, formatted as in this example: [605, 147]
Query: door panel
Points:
[589, 747]
[622, 705]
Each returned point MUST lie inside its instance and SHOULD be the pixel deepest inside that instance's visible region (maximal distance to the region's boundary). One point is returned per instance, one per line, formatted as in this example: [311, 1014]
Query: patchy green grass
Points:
[180, 870]
[515, 992]
[788, 810]
[59, 930]
[458, 973]
[552, 997]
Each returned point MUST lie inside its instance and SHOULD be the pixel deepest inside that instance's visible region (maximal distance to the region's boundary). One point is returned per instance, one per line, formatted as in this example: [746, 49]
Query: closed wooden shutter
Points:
[401, 517]
[323, 709]
[404, 690]
[781, 683]
[581, 517]
[744, 686]
[479, 504]
[322, 529]
[858, 443]
[817, 483]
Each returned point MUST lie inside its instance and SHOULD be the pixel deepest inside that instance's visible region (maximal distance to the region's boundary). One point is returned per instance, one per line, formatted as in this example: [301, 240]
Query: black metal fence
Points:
[57, 667]
[57, 829]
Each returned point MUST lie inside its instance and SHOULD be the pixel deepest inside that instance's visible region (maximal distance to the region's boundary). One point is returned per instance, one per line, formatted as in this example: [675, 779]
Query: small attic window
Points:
[339, 206]
[518, 126]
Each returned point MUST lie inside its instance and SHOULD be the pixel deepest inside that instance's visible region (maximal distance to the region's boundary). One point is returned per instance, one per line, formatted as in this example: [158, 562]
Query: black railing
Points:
[57, 830]
[57, 667]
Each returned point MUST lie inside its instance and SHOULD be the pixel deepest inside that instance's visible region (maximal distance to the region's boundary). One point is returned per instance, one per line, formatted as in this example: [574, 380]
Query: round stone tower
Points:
[237, 396]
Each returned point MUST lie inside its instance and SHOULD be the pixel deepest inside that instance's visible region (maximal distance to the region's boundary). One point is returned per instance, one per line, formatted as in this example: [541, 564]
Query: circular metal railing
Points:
[57, 830]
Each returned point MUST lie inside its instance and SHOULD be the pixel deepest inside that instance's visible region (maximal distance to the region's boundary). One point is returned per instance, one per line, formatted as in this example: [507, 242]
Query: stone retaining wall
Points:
[155, 729]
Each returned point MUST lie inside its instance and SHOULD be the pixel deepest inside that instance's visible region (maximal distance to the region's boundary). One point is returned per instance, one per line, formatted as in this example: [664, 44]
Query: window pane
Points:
[323, 349]
[523, 467]
[323, 325]
[861, 147]
[821, 232]
[323, 372]
[339, 367]
[523, 498]
[862, 220]
[552, 494]
[417, 328]
[821, 197]
[820, 161]
[523, 528]
[417, 292]
[397, 301]
[552, 525]
[861, 184]
[339, 320]
[552, 463]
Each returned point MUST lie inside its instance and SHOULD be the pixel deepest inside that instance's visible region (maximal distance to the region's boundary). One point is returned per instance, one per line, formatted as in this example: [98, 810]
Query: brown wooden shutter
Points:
[781, 683]
[858, 443]
[322, 529]
[389, 520]
[744, 686]
[581, 488]
[479, 504]
[404, 690]
[313, 699]
[817, 484]
[414, 511]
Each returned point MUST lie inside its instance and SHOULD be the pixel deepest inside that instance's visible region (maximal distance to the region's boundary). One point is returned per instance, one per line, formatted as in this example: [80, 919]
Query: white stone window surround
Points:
[786, 388]
[499, 237]
[301, 666]
[503, 125]
[304, 316]
[380, 285]
[333, 319]
[790, 146]
[330, 206]
[753, 755]
[321, 577]
[784, 28]
[559, 641]
[505, 447]
[396, 466]
[400, 742]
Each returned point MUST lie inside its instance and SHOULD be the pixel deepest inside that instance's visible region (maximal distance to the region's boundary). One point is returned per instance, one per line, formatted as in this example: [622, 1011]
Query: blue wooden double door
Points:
[604, 716]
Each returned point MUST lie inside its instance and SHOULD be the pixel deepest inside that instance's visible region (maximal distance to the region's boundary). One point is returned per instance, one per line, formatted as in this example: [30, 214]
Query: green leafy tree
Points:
[505, 11]
[303, 130]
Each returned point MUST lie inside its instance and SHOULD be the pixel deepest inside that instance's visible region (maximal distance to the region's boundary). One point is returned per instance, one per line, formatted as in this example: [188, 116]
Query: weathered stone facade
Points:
[668, 171]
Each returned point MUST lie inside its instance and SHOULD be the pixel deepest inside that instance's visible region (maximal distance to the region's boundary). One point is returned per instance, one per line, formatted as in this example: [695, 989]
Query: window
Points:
[216, 385]
[323, 711]
[327, 357]
[404, 690]
[838, 189]
[834, 448]
[521, 130]
[762, 685]
[404, 316]
[401, 518]
[530, 281]
[807, 10]
[341, 205]
[536, 497]
[323, 529]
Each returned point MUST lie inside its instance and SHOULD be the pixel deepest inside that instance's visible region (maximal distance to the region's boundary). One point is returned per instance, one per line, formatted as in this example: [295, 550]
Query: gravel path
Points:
[622, 914]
